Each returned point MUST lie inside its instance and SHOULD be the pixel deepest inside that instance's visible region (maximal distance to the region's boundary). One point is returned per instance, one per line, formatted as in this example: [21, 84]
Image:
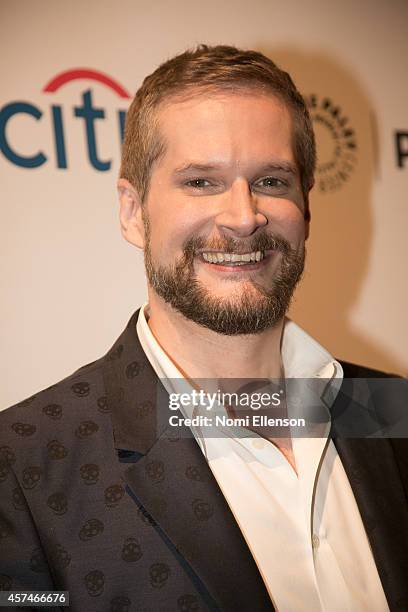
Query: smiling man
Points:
[102, 496]
[226, 177]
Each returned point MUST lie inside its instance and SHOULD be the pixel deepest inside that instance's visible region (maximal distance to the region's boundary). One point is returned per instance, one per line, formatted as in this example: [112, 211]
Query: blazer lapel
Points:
[375, 480]
[172, 482]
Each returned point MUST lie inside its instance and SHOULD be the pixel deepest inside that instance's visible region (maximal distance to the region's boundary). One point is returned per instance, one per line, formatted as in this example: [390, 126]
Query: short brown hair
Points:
[210, 68]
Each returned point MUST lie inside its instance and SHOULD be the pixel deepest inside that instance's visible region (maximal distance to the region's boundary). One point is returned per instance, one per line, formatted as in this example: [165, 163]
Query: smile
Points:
[233, 259]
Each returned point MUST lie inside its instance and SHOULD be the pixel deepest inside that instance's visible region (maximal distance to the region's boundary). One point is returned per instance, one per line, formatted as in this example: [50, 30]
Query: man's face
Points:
[224, 214]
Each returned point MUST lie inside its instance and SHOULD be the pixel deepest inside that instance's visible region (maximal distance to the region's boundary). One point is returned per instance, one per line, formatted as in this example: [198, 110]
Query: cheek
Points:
[288, 220]
[172, 224]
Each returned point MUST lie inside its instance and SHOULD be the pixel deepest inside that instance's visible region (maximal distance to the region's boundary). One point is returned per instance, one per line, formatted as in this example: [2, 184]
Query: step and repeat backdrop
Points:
[68, 72]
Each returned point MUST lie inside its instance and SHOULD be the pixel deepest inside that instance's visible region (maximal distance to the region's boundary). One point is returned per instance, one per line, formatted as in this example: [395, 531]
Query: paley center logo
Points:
[86, 111]
[336, 143]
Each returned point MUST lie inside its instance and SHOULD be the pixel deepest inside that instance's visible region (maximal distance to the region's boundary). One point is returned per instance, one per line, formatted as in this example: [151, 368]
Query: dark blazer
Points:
[98, 498]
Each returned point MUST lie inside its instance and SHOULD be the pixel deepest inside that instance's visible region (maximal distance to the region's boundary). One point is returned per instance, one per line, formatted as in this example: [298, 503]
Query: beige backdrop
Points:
[69, 282]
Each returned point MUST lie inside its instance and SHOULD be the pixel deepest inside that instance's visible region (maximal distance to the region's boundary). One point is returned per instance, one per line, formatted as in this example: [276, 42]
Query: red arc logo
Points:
[85, 73]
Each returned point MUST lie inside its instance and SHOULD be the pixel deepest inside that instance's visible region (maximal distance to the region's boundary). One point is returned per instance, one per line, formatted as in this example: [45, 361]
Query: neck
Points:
[201, 353]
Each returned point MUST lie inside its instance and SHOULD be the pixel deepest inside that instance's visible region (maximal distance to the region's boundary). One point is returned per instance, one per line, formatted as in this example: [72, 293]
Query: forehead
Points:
[225, 127]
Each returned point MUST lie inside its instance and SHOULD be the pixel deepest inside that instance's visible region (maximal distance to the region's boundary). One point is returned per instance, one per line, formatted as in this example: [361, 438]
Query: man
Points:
[102, 496]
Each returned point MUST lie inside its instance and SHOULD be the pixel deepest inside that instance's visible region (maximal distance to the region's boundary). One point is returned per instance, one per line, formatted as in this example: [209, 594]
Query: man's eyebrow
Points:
[196, 167]
[281, 165]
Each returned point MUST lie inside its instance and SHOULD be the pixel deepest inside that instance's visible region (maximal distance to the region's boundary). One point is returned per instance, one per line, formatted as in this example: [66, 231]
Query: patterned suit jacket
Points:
[98, 498]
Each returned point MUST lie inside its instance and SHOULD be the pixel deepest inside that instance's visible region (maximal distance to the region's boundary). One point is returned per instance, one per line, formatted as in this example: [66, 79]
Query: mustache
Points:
[260, 242]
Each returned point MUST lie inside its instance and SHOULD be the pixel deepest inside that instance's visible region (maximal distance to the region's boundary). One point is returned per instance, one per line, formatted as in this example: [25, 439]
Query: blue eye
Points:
[198, 183]
[271, 181]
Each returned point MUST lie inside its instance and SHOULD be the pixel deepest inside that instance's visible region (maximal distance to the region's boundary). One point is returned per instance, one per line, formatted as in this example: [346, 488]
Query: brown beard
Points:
[178, 285]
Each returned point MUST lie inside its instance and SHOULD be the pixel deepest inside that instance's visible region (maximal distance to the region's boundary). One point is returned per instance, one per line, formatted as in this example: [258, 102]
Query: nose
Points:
[239, 214]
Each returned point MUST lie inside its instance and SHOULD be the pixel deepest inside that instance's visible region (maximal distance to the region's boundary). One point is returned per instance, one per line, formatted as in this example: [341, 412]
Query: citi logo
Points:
[86, 111]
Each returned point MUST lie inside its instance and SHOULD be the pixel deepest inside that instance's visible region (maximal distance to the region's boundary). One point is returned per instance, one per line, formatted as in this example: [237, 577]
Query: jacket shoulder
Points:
[354, 370]
[51, 412]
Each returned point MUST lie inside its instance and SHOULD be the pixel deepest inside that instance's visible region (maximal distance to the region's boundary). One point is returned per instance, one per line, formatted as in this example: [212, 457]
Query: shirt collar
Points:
[314, 372]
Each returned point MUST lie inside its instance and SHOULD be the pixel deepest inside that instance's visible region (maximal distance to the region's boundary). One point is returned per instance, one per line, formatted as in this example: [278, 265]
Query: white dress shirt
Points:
[304, 530]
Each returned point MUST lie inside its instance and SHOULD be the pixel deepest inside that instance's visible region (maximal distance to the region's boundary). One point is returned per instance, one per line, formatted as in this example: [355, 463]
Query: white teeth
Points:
[233, 257]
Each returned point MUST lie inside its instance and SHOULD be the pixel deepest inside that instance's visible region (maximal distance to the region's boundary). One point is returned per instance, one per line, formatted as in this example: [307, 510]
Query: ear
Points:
[130, 214]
